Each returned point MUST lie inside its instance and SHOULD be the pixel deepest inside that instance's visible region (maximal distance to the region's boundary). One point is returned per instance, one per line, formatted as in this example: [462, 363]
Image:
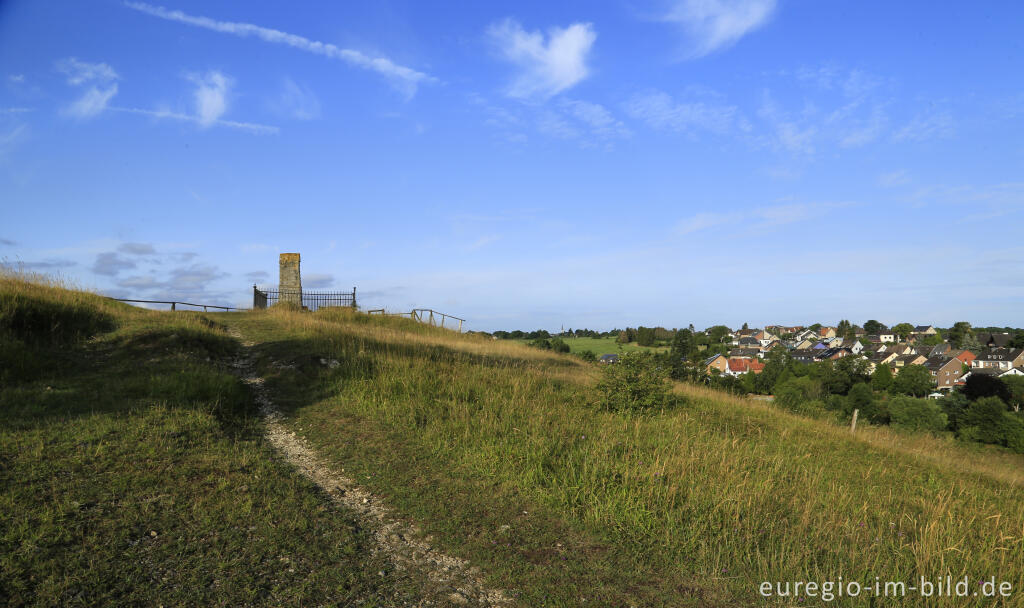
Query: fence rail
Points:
[174, 304]
[423, 315]
[308, 299]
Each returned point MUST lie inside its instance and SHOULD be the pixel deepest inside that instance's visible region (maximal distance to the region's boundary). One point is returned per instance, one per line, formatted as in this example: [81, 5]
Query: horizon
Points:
[526, 166]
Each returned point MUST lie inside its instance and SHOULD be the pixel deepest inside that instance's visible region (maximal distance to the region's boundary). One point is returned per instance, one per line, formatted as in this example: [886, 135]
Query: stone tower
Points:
[290, 281]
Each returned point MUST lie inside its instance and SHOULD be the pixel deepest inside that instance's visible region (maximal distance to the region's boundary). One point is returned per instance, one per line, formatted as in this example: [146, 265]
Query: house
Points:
[904, 360]
[990, 371]
[855, 346]
[719, 362]
[608, 358]
[827, 332]
[806, 334]
[745, 353]
[999, 358]
[741, 366]
[804, 344]
[804, 355]
[939, 350]
[925, 330]
[819, 346]
[833, 353]
[886, 336]
[859, 332]
[882, 358]
[945, 370]
[748, 342]
[993, 339]
[965, 356]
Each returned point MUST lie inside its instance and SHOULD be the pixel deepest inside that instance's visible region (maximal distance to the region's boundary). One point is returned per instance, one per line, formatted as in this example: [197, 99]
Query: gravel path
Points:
[453, 579]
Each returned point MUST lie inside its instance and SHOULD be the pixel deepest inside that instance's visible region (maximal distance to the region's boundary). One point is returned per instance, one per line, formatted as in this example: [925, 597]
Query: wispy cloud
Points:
[660, 111]
[758, 218]
[137, 249]
[404, 78]
[255, 128]
[7, 242]
[110, 264]
[297, 101]
[12, 111]
[103, 86]
[932, 124]
[549, 64]
[900, 177]
[712, 25]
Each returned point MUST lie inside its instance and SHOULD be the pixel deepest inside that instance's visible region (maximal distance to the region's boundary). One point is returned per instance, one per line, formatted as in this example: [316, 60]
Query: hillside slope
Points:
[505, 455]
[133, 469]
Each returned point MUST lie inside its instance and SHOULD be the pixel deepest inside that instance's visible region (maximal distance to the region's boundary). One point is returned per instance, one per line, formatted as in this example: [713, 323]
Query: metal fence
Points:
[424, 315]
[175, 304]
[310, 299]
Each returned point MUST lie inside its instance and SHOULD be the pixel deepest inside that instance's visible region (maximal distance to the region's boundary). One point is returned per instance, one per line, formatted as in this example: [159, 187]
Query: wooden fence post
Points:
[853, 425]
[172, 305]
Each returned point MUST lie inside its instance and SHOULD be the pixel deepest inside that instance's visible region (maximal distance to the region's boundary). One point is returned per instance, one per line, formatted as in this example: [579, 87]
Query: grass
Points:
[501, 452]
[133, 471]
[497, 450]
[602, 346]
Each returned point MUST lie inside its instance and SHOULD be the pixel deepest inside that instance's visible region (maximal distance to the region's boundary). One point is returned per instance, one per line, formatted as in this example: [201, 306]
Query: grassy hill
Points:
[118, 422]
[601, 346]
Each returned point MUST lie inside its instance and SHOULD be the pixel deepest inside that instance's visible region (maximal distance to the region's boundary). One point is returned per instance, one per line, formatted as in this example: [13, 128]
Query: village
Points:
[989, 353]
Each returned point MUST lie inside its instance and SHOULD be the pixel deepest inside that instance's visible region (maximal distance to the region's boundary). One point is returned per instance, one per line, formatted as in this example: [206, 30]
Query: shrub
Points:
[861, 398]
[795, 391]
[559, 346]
[635, 383]
[979, 386]
[881, 378]
[988, 417]
[954, 404]
[587, 355]
[917, 414]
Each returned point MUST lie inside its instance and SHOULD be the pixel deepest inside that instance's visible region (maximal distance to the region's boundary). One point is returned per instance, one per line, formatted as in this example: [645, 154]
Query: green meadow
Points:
[134, 471]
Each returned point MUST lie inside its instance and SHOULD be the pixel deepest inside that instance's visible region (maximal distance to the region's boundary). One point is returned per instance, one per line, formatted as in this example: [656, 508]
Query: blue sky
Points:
[523, 165]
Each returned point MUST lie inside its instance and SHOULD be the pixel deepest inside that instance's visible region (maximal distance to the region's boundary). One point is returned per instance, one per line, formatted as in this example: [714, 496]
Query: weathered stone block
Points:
[290, 279]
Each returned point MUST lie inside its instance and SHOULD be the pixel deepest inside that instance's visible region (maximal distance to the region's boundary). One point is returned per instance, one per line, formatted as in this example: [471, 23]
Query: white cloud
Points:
[900, 177]
[718, 24]
[758, 218]
[549, 64]
[404, 78]
[596, 117]
[16, 78]
[81, 72]
[251, 127]
[210, 96]
[103, 87]
[929, 125]
[92, 102]
[298, 101]
[661, 111]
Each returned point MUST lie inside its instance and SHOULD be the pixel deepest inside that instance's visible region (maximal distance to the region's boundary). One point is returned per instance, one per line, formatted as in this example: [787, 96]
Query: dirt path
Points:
[454, 580]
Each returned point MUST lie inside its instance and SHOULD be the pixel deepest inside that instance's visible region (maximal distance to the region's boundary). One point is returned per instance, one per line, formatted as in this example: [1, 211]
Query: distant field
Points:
[601, 346]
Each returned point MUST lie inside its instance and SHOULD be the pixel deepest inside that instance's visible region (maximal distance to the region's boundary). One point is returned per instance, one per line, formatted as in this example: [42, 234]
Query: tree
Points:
[956, 334]
[860, 398]
[954, 405]
[717, 333]
[815, 327]
[903, 330]
[559, 346]
[745, 326]
[979, 386]
[873, 327]
[682, 347]
[587, 355]
[644, 336]
[855, 367]
[844, 328]
[774, 365]
[1018, 340]
[881, 378]
[932, 340]
[913, 380]
[1015, 384]
[985, 420]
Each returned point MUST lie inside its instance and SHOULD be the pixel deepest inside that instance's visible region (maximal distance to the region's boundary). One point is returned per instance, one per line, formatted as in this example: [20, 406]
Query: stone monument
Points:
[290, 279]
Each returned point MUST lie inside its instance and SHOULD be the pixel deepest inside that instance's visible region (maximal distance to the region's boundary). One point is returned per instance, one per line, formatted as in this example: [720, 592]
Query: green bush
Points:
[917, 414]
[637, 382]
[792, 393]
[559, 346]
[988, 417]
[587, 355]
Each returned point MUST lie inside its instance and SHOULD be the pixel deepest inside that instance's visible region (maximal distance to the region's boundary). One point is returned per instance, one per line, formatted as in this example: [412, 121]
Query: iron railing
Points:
[424, 315]
[309, 299]
[174, 304]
